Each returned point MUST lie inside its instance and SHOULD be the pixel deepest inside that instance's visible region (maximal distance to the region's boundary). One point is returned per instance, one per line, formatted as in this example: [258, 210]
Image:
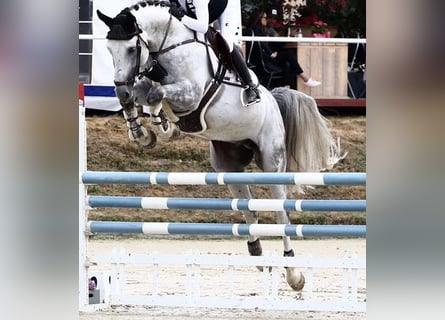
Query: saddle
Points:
[220, 47]
[194, 121]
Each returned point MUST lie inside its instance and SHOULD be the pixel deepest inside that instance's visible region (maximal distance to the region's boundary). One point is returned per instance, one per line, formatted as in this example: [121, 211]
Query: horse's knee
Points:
[155, 95]
[141, 89]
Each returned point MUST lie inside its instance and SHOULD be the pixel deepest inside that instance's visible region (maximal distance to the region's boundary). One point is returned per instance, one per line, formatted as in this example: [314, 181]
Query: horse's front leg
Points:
[182, 96]
[164, 101]
[162, 122]
[136, 131]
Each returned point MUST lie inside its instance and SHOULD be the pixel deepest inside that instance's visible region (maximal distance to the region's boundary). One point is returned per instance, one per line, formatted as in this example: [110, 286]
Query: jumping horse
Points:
[160, 63]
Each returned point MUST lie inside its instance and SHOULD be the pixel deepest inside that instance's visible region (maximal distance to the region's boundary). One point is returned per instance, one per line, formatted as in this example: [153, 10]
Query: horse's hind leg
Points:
[274, 160]
[231, 157]
[294, 278]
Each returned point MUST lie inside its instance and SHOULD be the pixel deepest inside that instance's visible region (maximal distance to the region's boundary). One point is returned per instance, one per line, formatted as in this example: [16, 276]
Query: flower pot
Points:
[326, 34]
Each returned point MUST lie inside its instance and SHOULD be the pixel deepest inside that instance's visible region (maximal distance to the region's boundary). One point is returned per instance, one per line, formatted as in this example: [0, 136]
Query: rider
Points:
[198, 14]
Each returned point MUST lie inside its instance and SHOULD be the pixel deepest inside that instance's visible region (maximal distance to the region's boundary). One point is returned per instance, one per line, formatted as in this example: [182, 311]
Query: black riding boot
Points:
[252, 93]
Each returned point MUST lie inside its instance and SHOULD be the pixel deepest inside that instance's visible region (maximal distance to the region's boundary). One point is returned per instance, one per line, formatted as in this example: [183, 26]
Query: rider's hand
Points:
[177, 12]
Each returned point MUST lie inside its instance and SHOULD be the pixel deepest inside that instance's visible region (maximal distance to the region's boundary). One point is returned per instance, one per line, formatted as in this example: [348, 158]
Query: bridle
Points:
[152, 63]
[152, 59]
[138, 64]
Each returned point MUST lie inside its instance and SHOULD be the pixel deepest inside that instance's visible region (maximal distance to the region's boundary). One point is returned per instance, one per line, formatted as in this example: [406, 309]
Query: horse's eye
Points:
[131, 50]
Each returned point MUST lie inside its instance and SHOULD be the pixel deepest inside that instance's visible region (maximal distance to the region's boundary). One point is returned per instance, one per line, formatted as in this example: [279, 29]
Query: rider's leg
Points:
[228, 31]
[252, 93]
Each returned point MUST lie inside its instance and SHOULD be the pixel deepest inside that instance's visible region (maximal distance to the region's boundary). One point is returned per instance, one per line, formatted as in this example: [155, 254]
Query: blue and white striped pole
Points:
[225, 204]
[273, 230]
[224, 178]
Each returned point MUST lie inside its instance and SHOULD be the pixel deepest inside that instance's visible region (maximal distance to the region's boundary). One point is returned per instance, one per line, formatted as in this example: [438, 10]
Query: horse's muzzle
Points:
[124, 93]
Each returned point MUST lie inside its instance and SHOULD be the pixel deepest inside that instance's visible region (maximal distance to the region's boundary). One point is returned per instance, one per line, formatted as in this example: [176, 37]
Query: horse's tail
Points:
[310, 144]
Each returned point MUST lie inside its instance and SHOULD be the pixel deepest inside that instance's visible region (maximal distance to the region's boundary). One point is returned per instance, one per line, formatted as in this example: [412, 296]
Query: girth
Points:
[192, 122]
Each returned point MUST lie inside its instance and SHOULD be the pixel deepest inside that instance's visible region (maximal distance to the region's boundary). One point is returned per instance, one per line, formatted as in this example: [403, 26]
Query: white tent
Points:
[100, 93]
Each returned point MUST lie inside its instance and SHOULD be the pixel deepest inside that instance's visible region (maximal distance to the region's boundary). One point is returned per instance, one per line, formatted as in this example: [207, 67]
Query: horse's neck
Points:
[155, 21]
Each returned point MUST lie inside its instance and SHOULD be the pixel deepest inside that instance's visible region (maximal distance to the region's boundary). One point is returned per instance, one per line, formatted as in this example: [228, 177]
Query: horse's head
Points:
[129, 51]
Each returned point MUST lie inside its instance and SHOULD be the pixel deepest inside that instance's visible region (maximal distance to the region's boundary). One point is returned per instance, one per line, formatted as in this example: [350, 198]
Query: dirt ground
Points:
[327, 282]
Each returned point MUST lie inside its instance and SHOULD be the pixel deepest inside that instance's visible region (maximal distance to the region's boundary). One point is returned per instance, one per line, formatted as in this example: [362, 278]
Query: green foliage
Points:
[348, 16]
[349, 19]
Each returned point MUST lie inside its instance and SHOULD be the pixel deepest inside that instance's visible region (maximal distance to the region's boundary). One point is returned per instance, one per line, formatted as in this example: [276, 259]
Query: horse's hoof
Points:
[167, 131]
[255, 250]
[145, 138]
[296, 282]
[148, 142]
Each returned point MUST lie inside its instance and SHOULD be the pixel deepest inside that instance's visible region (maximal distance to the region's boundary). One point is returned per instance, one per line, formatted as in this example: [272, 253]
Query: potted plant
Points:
[320, 29]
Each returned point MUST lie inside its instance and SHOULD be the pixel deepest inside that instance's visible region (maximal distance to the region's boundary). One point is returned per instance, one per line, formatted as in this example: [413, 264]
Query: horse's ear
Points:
[107, 20]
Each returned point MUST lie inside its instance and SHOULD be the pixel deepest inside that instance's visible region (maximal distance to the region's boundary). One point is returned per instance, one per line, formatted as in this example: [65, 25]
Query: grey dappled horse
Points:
[283, 132]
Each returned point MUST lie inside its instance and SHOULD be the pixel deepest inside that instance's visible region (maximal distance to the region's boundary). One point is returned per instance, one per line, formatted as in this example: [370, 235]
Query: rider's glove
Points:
[177, 12]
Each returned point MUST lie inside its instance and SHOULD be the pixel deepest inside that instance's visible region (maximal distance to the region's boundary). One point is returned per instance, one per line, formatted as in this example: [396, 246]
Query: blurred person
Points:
[283, 57]
[274, 22]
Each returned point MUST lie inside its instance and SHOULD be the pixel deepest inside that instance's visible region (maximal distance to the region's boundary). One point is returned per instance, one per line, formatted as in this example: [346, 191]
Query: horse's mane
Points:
[149, 3]
[154, 3]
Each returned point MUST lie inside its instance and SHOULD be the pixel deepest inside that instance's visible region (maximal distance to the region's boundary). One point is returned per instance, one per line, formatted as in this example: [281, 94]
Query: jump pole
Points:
[225, 178]
[225, 204]
[238, 230]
